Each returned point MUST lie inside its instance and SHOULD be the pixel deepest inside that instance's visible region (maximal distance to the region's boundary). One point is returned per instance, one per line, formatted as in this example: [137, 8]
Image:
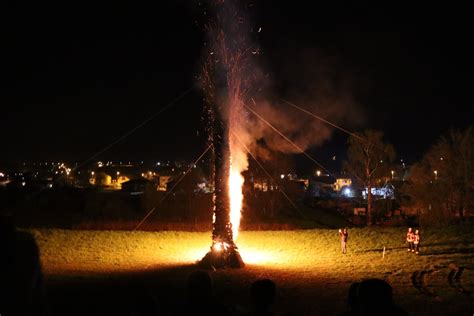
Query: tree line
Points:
[439, 187]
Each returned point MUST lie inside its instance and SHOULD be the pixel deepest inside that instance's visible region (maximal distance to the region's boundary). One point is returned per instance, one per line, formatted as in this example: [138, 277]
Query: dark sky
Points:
[77, 76]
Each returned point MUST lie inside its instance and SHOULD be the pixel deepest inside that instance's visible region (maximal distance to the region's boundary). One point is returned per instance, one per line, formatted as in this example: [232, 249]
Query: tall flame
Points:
[236, 181]
[238, 137]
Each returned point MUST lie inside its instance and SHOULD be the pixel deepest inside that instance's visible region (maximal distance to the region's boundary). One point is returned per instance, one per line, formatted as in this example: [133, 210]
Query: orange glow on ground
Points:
[65, 251]
[307, 265]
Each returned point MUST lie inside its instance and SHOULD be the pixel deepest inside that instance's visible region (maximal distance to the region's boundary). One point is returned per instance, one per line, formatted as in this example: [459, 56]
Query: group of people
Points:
[413, 241]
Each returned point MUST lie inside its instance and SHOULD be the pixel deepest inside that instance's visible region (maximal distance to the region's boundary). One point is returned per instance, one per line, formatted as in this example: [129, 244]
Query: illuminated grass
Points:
[63, 250]
[301, 262]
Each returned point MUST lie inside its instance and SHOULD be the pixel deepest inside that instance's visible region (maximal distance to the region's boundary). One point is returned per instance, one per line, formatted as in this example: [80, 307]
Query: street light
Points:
[392, 172]
[436, 174]
[318, 173]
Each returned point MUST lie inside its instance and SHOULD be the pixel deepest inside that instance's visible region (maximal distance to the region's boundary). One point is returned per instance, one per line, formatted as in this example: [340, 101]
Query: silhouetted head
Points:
[374, 295]
[352, 299]
[199, 285]
[263, 294]
[144, 305]
[7, 228]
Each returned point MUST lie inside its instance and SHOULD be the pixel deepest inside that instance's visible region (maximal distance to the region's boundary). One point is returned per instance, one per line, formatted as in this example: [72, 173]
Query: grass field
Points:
[311, 274]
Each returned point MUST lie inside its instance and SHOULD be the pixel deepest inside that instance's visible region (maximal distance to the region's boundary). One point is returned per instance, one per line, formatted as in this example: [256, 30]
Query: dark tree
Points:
[369, 161]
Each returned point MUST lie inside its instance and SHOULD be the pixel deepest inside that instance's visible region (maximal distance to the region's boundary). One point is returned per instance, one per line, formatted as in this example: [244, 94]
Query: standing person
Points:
[416, 241]
[343, 235]
[410, 237]
[263, 294]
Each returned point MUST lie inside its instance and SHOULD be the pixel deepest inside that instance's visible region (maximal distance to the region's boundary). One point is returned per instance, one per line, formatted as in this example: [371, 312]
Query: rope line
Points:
[173, 187]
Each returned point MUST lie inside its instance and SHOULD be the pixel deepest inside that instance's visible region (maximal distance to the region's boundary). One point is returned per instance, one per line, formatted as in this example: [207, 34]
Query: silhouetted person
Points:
[263, 294]
[372, 297]
[144, 305]
[200, 300]
[352, 300]
[20, 272]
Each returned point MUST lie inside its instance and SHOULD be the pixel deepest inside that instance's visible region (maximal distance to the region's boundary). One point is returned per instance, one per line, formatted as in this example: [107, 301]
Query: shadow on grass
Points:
[437, 244]
[449, 252]
[429, 245]
[381, 249]
[117, 293]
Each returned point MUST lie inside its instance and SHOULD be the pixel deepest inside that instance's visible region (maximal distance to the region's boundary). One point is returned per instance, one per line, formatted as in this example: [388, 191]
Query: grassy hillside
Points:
[306, 264]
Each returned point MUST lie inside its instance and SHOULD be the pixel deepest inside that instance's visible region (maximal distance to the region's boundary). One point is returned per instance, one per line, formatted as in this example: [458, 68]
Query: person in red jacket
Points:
[416, 241]
[410, 237]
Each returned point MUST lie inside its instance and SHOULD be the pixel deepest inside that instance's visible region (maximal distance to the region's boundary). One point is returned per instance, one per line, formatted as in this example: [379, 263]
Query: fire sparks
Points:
[227, 78]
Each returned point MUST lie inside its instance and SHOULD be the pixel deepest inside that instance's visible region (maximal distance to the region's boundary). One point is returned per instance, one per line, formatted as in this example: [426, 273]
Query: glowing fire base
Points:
[222, 255]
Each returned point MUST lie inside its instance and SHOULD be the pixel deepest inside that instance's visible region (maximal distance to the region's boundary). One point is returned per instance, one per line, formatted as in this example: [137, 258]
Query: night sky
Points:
[77, 76]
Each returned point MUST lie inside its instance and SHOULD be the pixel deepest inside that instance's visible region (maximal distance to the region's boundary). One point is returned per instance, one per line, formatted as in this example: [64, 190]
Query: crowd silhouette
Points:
[372, 297]
[21, 278]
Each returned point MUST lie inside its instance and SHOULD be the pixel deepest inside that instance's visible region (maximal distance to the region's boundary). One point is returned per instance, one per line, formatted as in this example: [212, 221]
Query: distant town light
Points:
[282, 176]
[318, 173]
[92, 172]
[347, 192]
[118, 172]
